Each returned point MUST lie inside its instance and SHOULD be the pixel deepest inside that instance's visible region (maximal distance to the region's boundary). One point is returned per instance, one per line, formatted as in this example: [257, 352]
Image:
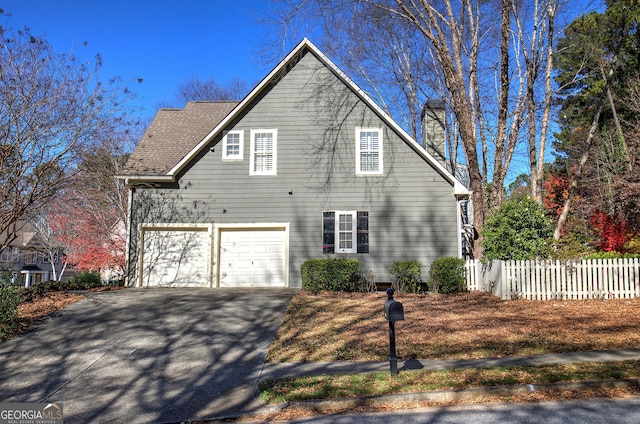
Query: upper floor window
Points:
[232, 144]
[369, 150]
[9, 254]
[263, 152]
[46, 259]
[30, 258]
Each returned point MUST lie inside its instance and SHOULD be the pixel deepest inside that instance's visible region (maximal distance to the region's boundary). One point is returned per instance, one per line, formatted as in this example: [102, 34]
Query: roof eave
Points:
[133, 179]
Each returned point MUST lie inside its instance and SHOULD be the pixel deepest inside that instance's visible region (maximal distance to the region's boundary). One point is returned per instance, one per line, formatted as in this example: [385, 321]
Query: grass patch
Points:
[370, 384]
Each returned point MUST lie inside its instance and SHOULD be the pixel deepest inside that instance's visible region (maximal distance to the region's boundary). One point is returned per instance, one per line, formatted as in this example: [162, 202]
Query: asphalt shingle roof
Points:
[173, 133]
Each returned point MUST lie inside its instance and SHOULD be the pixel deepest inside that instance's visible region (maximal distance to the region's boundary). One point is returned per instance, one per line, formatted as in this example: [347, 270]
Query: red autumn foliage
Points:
[612, 230]
[87, 244]
[556, 190]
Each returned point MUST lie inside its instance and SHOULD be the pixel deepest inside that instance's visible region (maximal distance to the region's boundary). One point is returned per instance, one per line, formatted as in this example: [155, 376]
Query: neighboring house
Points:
[28, 259]
[305, 166]
[114, 271]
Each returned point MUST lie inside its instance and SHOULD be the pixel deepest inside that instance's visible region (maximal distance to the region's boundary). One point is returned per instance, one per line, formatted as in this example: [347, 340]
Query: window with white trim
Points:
[369, 151]
[232, 144]
[345, 232]
[9, 254]
[263, 152]
[30, 258]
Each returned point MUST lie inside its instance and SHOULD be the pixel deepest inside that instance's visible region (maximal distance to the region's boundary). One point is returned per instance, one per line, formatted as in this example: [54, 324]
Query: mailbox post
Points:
[393, 311]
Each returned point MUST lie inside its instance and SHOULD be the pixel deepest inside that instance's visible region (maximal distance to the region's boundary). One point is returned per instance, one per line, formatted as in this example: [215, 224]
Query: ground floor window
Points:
[345, 232]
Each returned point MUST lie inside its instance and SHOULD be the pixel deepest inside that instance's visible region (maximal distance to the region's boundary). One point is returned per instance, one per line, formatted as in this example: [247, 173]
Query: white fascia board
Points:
[266, 80]
[459, 188]
[132, 179]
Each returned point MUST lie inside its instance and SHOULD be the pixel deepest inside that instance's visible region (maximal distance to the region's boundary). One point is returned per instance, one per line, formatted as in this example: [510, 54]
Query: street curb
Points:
[276, 370]
[462, 395]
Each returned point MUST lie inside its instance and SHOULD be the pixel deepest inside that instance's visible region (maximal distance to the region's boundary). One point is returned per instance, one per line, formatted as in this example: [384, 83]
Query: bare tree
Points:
[49, 245]
[196, 89]
[51, 108]
[483, 57]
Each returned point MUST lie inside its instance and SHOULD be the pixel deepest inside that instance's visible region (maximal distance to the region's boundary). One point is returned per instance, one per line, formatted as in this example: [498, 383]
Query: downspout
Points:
[460, 225]
[129, 224]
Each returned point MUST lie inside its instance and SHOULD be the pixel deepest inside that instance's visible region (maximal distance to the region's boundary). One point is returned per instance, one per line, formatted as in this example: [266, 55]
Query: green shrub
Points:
[10, 297]
[83, 281]
[405, 276]
[519, 230]
[611, 255]
[331, 274]
[39, 289]
[447, 275]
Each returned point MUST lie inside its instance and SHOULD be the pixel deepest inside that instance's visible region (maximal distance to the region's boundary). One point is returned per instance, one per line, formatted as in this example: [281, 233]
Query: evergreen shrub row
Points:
[447, 275]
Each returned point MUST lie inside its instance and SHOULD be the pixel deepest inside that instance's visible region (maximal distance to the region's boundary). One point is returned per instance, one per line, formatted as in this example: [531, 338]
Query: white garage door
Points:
[252, 258]
[176, 258]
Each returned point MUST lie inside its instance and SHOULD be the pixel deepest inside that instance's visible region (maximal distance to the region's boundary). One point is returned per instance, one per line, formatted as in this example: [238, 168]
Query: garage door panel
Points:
[252, 257]
[175, 258]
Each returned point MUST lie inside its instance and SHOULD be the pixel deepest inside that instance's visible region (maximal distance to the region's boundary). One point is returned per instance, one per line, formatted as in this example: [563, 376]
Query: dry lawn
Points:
[32, 311]
[351, 326]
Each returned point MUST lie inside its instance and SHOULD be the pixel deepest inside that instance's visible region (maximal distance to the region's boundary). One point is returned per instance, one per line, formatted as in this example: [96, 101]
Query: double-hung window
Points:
[232, 145]
[30, 258]
[9, 254]
[263, 152]
[345, 232]
[369, 151]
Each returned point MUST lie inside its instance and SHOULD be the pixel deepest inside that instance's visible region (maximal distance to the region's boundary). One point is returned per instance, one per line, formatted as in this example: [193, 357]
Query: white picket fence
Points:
[543, 280]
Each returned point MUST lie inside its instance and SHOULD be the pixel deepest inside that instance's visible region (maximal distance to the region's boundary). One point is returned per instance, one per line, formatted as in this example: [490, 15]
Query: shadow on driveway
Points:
[147, 355]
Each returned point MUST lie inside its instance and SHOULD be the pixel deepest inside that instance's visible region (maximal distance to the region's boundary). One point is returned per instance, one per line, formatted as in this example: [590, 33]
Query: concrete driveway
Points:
[147, 355]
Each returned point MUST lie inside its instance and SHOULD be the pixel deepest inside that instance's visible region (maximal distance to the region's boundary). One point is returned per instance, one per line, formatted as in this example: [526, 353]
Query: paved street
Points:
[147, 355]
[591, 411]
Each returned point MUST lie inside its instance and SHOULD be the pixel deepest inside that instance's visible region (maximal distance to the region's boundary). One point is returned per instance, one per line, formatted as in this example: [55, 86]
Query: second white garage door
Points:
[252, 258]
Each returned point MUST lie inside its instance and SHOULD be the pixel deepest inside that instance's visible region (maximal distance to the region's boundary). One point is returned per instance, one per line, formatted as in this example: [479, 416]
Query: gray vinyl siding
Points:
[412, 208]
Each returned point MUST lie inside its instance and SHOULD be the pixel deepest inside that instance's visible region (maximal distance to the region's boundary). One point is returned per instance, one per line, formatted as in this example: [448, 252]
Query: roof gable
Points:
[193, 147]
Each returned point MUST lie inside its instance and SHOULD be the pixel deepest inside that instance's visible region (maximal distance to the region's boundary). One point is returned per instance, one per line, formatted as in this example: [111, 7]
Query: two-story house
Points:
[28, 260]
[305, 166]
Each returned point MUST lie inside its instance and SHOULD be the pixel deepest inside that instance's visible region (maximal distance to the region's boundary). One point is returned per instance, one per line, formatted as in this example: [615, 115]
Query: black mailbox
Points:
[393, 310]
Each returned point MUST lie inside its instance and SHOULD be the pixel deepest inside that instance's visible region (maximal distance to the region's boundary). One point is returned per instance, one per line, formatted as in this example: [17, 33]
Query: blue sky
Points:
[164, 42]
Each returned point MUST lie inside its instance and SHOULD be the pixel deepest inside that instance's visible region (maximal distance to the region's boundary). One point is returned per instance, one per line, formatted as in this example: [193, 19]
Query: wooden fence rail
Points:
[543, 280]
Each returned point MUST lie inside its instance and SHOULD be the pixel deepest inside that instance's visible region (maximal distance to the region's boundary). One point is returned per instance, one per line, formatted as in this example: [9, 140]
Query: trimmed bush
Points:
[10, 297]
[39, 289]
[406, 276]
[447, 275]
[331, 274]
[83, 281]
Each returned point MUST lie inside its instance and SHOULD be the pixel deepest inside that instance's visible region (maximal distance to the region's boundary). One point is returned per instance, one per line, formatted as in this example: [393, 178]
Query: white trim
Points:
[145, 227]
[132, 179]
[459, 223]
[354, 232]
[267, 226]
[274, 152]
[247, 100]
[380, 151]
[225, 152]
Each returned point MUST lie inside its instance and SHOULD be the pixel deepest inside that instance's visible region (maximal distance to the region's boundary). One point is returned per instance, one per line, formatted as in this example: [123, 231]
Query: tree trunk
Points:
[536, 182]
[576, 176]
